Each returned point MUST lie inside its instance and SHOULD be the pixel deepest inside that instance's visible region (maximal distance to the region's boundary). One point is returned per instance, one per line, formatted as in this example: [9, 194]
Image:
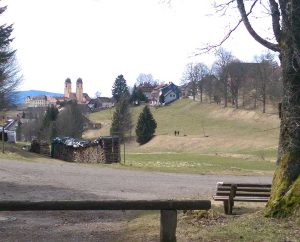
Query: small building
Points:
[101, 103]
[170, 93]
[36, 101]
[147, 89]
[9, 131]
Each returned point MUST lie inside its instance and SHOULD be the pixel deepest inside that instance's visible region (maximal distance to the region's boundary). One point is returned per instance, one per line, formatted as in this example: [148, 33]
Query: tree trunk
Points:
[237, 99]
[243, 98]
[264, 101]
[201, 94]
[225, 96]
[285, 194]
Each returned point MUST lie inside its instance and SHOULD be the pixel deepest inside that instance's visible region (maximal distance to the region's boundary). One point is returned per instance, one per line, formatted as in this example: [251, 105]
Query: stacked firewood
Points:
[44, 148]
[40, 147]
[103, 150]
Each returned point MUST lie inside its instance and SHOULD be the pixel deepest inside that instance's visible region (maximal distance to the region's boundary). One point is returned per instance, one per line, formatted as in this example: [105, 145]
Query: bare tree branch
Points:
[252, 32]
[223, 7]
[275, 19]
[211, 47]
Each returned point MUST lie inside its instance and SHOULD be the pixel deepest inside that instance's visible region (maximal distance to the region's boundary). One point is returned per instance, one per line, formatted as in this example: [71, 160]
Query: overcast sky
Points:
[98, 40]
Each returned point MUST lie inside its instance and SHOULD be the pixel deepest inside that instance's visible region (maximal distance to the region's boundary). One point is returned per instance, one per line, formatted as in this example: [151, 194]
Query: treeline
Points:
[232, 82]
[122, 124]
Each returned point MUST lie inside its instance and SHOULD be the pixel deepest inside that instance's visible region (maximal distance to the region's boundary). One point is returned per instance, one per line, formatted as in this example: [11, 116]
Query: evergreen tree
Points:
[137, 95]
[48, 129]
[9, 78]
[51, 115]
[121, 121]
[70, 121]
[161, 99]
[146, 126]
[120, 88]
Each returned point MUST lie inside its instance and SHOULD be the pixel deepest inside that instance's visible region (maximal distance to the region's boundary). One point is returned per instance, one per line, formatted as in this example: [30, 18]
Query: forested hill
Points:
[21, 95]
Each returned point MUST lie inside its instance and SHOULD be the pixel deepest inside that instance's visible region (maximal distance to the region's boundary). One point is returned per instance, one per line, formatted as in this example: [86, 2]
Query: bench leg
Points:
[168, 224]
[230, 206]
[225, 203]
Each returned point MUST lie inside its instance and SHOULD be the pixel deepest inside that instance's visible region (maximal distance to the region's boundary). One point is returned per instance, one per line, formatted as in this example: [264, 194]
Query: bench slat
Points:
[220, 198]
[245, 184]
[245, 189]
[251, 199]
[245, 194]
[252, 194]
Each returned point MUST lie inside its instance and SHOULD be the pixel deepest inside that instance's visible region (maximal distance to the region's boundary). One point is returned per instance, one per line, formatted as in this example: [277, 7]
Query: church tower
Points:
[68, 88]
[79, 90]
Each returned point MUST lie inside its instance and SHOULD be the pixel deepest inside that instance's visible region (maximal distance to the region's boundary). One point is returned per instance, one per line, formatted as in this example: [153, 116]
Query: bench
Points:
[168, 209]
[241, 192]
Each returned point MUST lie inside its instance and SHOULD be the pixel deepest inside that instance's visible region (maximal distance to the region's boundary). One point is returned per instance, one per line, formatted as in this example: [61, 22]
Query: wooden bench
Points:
[241, 192]
[168, 209]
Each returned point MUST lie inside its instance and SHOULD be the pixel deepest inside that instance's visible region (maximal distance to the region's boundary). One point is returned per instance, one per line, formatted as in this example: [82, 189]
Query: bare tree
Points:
[224, 58]
[189, 77]
[146, 78]
[265, 76]
[200, 71]
[210, 86]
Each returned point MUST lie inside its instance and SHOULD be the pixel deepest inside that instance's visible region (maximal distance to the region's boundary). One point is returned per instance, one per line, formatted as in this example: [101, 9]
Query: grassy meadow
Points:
[212, 139]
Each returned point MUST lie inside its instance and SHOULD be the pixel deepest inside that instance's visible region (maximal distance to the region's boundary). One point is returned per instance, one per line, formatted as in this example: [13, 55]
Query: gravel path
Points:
[56, 180]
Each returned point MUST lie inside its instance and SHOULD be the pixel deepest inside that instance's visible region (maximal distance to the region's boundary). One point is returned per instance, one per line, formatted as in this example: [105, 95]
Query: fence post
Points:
[168, 224]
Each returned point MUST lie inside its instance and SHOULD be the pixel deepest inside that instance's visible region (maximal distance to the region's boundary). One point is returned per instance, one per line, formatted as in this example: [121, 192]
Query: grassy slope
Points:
[236, 138]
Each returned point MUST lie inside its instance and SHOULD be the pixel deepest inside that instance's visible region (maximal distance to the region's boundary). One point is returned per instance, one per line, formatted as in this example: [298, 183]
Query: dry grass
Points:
[206, 129]
[215, 226]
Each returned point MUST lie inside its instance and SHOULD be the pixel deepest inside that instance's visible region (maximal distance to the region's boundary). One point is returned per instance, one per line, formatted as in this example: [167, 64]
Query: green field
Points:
[212, 139]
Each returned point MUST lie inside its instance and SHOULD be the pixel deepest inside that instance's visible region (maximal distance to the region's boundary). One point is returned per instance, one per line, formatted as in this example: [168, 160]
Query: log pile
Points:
[40, 147]
[103, 150]
[44, 148]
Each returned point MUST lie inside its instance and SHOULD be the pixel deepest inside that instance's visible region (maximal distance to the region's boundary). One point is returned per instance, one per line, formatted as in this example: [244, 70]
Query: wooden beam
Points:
[106, 205]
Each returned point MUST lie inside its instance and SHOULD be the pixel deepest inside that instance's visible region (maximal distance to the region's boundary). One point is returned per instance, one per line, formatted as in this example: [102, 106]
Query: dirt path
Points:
[58, 180]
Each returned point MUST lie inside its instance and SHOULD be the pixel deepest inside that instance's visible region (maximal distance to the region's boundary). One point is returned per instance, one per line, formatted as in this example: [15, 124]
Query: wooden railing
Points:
[168, 209]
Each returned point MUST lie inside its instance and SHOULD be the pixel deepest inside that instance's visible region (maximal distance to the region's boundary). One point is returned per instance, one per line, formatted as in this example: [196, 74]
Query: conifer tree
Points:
[120, 88]
[121, 121]
[48, 128]
[9, 78]
[146, 126]
[137, 95]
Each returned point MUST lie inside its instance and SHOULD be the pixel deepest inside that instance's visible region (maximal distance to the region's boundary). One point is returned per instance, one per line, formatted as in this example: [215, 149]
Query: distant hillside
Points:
[205, 128]
[21, 95]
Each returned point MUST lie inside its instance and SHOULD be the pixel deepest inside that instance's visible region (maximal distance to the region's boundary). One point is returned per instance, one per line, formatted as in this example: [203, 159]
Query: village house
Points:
[9, 126]
[147, 89]
[39, 101]
[167, 92]
[100, 103]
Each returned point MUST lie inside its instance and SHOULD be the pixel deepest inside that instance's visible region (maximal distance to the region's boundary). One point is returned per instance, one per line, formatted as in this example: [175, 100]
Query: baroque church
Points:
[79, 95]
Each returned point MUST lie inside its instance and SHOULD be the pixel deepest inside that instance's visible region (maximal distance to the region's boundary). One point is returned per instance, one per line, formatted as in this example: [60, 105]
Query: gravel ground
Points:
[56, 180]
